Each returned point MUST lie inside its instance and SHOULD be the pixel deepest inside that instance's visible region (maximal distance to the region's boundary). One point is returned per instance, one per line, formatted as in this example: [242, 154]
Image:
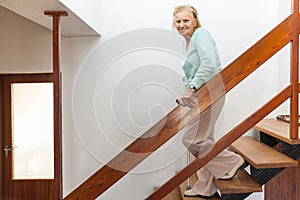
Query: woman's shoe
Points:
[234, 170]
[191, 193]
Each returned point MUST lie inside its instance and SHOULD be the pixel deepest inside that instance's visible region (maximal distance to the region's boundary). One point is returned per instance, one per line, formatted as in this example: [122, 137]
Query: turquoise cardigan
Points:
[201, 60]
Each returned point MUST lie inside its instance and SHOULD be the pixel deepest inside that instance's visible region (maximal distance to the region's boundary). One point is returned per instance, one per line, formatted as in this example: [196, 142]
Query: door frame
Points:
[32, 78]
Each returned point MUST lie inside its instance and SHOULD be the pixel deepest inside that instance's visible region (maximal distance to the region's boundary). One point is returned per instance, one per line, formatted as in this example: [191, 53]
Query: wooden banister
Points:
[167, 127]
[221, 144]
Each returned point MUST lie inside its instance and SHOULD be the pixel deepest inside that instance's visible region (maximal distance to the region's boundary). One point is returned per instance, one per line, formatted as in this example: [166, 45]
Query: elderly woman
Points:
[201, 62]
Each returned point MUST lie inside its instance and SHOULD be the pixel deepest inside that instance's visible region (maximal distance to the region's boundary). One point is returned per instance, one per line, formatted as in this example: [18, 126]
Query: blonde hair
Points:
[186, 8]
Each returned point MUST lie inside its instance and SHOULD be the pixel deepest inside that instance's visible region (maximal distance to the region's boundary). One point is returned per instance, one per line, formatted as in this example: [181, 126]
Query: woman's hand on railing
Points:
[188, 99]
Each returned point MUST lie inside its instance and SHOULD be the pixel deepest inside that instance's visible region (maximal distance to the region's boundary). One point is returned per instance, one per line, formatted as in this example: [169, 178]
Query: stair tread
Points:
[260, 155]
[278, 129]
[193, 180]
[241, 183]
[174, 195]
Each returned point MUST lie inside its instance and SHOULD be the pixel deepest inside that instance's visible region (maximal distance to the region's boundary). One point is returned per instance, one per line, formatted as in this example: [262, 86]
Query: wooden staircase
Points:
[287, 32]
[265, 158]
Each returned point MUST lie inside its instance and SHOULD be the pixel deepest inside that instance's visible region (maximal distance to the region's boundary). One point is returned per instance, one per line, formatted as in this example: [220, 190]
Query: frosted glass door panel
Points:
[32, 128]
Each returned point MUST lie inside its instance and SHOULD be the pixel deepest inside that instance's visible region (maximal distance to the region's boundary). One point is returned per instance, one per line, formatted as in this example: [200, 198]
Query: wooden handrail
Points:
[221, 144]
[167, 127]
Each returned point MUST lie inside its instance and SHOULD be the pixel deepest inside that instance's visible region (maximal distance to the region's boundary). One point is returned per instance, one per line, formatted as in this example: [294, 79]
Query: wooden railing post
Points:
[294, 71]
[57, 102]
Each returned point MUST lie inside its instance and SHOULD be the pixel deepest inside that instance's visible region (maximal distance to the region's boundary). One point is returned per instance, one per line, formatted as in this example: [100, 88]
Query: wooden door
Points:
[26, 173]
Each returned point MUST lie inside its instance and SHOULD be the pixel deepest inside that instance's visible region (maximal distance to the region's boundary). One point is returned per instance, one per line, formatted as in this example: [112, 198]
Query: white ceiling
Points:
[33, 10]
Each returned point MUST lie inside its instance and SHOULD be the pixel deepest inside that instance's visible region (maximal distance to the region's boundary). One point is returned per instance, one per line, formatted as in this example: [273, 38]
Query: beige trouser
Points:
[198, 136]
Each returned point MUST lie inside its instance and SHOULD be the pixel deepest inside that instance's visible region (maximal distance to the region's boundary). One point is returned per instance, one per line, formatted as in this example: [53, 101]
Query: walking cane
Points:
[188, 187]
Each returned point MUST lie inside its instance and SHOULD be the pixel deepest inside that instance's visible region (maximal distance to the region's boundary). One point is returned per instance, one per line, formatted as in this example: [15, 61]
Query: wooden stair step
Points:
[193, 180]
[174, 195]
[260, 155]
[240, 184]
[277, 129]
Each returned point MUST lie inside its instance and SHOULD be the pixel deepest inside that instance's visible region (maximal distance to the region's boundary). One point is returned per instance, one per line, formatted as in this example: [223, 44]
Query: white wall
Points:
[116, 86]
[21, 49]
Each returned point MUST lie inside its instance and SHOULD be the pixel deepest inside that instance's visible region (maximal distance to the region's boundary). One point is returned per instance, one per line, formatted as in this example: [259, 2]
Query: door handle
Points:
[6, 149]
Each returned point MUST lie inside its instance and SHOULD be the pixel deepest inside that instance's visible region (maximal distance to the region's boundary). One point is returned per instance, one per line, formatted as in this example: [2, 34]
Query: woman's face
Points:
[185, 23]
